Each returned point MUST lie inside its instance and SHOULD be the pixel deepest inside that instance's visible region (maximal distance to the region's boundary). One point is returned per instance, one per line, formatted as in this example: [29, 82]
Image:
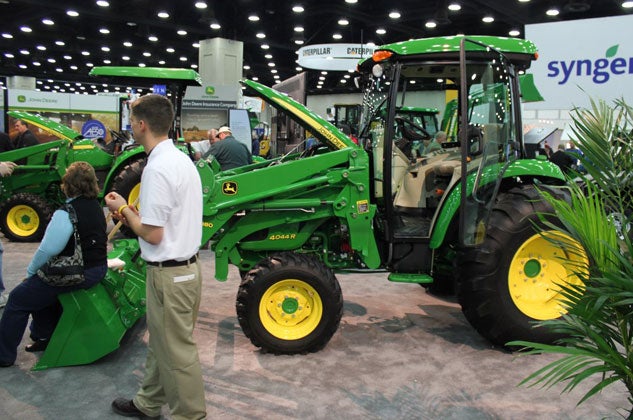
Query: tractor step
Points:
[410, 278]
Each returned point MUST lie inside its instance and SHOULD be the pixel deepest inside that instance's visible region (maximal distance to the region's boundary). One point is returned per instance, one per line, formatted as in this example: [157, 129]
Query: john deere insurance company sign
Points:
[341, 57]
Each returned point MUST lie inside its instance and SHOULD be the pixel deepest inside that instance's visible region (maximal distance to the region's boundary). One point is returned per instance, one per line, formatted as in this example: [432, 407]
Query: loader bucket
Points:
[94, 320]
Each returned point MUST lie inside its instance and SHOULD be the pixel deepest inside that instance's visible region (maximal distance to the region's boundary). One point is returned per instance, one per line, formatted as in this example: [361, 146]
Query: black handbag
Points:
[61, 270]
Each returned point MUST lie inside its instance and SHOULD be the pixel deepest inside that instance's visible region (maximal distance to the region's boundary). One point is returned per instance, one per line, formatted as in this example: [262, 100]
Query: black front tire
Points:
[24, 217]
[289, 303]
[491, 276]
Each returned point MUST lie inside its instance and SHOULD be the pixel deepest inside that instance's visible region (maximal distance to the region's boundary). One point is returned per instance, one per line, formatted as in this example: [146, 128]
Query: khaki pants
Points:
[173, 374]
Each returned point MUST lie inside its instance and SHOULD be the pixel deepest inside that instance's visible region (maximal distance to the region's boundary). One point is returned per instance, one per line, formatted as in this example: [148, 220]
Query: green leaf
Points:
[612, 51]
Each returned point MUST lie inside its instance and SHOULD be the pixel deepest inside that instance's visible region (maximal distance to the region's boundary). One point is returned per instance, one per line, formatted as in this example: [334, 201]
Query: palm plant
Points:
[598, 324]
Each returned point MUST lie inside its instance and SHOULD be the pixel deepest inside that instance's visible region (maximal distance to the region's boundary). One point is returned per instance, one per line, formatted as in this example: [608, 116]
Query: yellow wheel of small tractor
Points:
[539, 267]
[24, 217]
[290, 309]
[289, 303]
[23, 220]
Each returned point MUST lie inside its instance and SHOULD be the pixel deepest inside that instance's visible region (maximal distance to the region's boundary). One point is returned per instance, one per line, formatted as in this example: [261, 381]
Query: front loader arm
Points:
[283, 204]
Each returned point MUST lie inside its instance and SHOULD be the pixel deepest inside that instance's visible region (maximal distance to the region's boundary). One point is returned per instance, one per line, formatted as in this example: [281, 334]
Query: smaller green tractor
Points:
[32, 193]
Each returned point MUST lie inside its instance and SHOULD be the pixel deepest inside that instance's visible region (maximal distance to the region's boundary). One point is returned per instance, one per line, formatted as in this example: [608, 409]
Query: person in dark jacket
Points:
[5, 142]
[229, 152]
[562, 159]
[24, 138]
[36, 297]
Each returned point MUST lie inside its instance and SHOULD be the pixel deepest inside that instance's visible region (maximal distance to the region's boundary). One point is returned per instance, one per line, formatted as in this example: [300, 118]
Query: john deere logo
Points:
[21, 98]
[229, 187]
[209, 90]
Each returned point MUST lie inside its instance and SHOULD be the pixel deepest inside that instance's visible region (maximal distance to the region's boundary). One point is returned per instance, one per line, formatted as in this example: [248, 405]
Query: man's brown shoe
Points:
[126, 408]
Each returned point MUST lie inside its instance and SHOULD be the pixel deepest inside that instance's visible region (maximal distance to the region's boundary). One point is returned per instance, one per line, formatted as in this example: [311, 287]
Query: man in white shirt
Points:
[169, 227]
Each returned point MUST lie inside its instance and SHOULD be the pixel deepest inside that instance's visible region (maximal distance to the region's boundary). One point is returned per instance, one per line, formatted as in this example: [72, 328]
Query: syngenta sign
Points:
[582, 59]
[598, 70]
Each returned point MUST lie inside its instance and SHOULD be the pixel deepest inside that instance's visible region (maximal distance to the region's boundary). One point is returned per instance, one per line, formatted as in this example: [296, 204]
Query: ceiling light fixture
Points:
[103, 3]
[72, 13]
[454, 7]
[337, 36]
[552, 12]
[26, 29]
[627, 4]
[152, 38]
[215, 25]
[298, 9]
[7, 35]
[260, 35]
[181, 32]
[299, 29]
[514, 32]
[163, 15]
[394, 14]
[201, 5]
[48, 22]
[343, 22]
[381, 31]
[430, 24]
[488, 19]
[253, 18]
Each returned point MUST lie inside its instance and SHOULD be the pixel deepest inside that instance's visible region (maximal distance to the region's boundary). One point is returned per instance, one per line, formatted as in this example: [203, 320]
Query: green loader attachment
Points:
[94, 320]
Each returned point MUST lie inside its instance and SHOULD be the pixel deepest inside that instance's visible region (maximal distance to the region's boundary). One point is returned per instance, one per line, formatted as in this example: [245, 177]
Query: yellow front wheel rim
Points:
[290, 309]
[23, 220]
[541, 264]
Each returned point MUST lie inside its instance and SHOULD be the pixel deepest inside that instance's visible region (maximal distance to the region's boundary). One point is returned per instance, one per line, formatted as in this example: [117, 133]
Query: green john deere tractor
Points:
[31, 194]
[470, 217]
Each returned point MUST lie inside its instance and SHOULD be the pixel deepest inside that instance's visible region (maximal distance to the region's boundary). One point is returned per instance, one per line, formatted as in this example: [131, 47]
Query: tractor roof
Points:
[519, 51]
[147, 76]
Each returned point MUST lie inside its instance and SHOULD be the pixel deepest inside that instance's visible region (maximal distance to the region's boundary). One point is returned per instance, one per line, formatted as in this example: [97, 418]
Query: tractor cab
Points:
[418, 193]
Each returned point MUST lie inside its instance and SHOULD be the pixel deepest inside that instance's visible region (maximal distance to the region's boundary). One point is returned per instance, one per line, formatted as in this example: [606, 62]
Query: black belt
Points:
[173, 263]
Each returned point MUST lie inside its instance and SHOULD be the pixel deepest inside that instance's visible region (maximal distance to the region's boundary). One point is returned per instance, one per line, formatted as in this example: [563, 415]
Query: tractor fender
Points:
[544, 170]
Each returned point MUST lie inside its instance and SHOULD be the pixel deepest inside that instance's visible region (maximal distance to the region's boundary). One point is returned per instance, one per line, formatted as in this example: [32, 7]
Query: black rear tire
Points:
[24, 217]
[127, 181]
[494, 275]
[289, 303]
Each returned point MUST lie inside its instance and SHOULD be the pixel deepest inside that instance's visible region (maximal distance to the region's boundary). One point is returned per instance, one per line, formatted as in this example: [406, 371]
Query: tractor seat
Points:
[446, 167]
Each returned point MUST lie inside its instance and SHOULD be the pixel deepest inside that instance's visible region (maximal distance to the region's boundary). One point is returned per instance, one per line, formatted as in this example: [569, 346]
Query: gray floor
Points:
[399, 353]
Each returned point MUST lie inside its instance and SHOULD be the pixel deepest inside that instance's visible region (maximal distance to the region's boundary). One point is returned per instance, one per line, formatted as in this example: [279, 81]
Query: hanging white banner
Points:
[337, 57]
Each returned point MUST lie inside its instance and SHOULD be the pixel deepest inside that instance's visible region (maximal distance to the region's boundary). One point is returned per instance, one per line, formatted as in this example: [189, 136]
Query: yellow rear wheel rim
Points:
[133, 197]
[23, 220]
[290, 309]
[537, 269]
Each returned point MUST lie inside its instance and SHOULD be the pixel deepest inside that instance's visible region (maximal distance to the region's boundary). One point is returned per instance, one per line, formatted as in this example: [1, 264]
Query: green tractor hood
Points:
[322, 129]
[51, 127]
